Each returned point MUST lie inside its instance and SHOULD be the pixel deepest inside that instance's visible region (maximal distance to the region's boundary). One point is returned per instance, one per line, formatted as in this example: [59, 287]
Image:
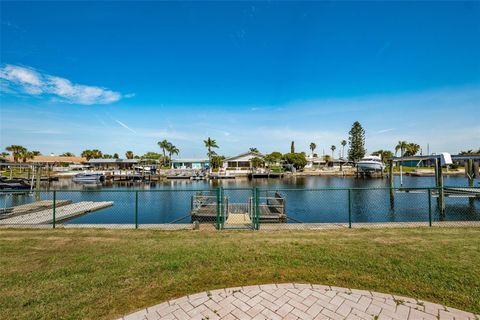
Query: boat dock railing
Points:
[241, 208]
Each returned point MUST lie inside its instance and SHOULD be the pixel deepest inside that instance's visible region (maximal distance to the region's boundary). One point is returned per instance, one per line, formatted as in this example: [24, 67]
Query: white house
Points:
[314, 162]
[242, 161]
[319, 162]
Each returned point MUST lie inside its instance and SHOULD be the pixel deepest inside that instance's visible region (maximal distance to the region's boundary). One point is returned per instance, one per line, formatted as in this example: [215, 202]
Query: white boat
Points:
[88, 177]
[370, 164]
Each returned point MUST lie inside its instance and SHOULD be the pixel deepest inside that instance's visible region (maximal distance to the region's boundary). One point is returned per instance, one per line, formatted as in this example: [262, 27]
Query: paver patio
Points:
[297, 301]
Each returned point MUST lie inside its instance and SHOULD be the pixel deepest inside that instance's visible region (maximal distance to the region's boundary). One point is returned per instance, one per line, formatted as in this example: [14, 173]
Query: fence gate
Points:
[238, 208]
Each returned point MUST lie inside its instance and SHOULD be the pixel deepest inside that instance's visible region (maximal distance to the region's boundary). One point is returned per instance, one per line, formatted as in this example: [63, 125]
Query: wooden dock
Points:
[31, 207]
[466, 192]
[204, 209]
[238, 219]
[62, 213]
[448, 192]
[265, 175]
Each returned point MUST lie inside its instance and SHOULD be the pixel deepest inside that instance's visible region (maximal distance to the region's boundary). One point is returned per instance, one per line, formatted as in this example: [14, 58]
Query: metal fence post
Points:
[429, 207]
[222, 208]
[54, 206]
[350, 208]
[257, 209]
[136, 209]
[219, 194]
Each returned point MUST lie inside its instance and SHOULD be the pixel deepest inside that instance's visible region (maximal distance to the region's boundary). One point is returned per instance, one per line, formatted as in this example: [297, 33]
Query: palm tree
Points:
[333, 149]
[164, 145]
[67, 154]
[209, 144]
[412, 149]
[92, 154]
[384, 154]
[254, 150]
[86, 154]
[129, 154]
[27, 155]
[16, 151]
[97, 154]
[402, 146]
[172, 150]
[343, 143]
[313, 146]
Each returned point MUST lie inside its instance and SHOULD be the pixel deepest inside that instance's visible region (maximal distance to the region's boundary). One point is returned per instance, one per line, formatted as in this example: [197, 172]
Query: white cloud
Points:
[33, 82]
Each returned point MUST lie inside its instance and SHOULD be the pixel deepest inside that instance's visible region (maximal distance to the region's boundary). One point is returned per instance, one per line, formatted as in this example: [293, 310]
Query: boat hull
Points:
[88, 178]
[370, 166]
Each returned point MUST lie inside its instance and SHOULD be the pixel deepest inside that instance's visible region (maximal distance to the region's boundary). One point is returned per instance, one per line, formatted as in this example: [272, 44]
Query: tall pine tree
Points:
[356, 141]
[292, 147]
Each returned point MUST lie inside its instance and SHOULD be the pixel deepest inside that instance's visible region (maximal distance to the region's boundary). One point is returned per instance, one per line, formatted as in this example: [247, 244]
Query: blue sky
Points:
[121, 75]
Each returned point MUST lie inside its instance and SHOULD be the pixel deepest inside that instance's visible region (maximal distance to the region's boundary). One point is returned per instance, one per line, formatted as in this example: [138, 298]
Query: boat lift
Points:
[471, 163]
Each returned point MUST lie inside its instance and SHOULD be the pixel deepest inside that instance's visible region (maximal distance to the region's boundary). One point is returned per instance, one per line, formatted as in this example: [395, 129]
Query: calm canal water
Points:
[170, 201]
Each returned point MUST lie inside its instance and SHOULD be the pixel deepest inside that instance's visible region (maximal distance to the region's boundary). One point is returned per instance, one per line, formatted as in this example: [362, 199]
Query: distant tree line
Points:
[356, 151]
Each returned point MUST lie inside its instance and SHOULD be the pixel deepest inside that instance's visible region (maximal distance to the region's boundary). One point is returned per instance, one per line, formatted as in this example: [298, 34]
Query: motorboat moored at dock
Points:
[88, 178]
[14, 184]
[370, 164]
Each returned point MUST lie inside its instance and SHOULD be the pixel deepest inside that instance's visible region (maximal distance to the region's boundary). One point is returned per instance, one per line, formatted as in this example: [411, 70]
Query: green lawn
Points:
[92, 274]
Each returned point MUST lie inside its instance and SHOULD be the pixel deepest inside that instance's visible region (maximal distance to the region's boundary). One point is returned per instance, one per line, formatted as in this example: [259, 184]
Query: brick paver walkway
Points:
[297, 301]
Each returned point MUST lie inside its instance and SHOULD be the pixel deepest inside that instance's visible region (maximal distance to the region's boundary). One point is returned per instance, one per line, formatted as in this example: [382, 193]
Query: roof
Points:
[255, 154]
[112, 160]
[189, 160]
[52, 159]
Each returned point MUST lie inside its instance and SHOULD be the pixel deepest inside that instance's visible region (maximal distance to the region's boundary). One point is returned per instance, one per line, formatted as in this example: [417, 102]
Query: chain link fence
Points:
[241, 208]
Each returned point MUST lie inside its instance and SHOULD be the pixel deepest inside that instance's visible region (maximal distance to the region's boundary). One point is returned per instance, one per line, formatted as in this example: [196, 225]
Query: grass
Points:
[102, 274]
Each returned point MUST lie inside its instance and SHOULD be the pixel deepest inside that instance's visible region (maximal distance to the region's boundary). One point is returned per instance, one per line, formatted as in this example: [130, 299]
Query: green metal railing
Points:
[348, 207]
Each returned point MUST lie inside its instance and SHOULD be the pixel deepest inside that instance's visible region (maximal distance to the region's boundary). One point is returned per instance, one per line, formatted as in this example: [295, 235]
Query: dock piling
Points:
[38, 173]
[439, 183]
[392, 185]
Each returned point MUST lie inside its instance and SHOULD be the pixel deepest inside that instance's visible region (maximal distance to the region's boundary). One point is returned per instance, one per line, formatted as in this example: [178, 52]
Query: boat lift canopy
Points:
[436, 156]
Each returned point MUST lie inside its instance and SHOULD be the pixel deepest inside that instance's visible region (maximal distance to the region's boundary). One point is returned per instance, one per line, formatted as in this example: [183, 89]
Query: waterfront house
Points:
[319, 162]
[241, 163]
[314, 161]
[112, 164]
[195, 164]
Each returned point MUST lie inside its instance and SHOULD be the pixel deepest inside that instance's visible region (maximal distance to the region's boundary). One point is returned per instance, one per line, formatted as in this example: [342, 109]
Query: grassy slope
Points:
[95, 274]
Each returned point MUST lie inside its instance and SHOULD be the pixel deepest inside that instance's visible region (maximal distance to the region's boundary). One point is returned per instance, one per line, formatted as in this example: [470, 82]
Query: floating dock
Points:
[31, 207]
[62, 213]
[204, 208]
